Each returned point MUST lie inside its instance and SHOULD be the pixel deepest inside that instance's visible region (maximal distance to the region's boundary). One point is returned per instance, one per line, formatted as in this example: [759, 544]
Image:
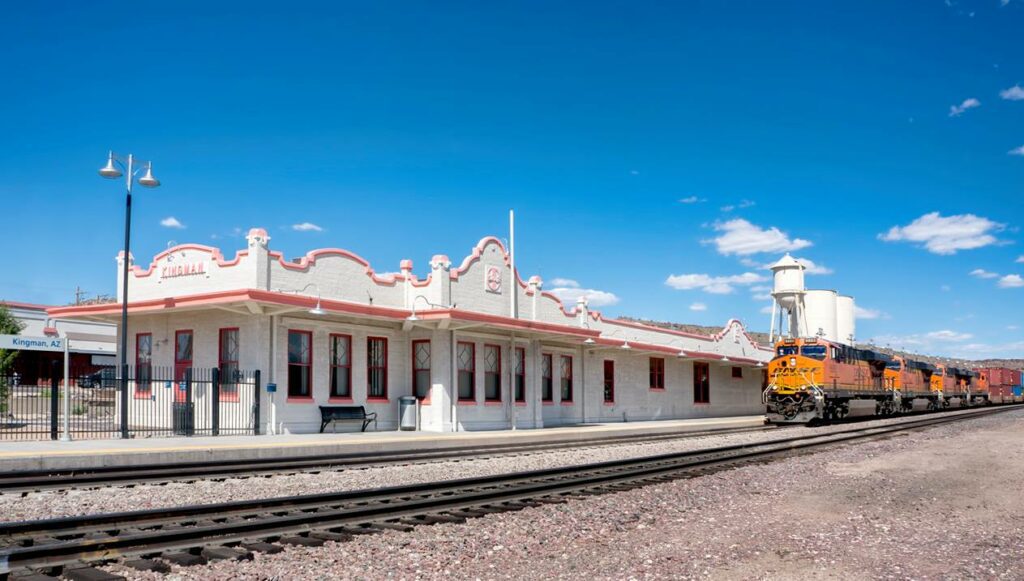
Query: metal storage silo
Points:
[820, 314]
[846, 323]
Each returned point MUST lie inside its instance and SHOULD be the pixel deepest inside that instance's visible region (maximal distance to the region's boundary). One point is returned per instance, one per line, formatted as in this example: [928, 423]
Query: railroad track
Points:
[151, 539]
[24, 481]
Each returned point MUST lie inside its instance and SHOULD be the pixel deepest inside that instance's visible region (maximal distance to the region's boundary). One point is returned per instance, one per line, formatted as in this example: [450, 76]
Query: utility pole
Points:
[79, 295]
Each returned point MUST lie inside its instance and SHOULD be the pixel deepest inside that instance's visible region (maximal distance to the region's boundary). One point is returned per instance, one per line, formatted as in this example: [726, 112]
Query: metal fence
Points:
[137, 403]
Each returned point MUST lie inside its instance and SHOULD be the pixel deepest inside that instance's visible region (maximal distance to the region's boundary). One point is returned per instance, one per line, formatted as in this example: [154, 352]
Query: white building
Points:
[90, 343]
[326, 329]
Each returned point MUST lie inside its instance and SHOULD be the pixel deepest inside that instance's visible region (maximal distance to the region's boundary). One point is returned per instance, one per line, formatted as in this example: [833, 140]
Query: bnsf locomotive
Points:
[815, 379]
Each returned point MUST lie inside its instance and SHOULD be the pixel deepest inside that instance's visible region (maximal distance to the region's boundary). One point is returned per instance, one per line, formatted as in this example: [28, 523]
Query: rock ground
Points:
[944, 503]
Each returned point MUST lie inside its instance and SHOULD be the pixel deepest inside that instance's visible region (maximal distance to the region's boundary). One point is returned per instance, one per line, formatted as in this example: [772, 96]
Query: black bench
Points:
[340, 413]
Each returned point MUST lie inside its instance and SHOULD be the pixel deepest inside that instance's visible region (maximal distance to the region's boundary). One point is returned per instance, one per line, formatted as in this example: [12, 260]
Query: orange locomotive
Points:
[814, 379]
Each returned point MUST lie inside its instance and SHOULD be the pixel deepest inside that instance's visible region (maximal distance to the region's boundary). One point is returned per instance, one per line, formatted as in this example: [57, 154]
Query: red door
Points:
[182, 362]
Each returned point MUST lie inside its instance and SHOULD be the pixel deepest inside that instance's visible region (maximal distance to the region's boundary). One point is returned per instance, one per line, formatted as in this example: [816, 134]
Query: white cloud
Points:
[812, 268]
[564, 282]
[1014, 93]
[1012, 327]
[742, 238]
[307, 227]
[1020, 259]
[945, 288]
[718, 285]
[946, 235]
[728, 208]
[1011, 281]
[958, 110]
[947, 335]
[569, 291]
[982, 273]
[698, 307]
[866, 313]
[692, 200]
[1016, 151]
[766, 310]
[595, 298]
[172, 222]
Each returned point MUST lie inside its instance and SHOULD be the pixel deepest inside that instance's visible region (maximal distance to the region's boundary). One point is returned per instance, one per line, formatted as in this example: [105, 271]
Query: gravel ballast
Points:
[939, 503]
[49, 504]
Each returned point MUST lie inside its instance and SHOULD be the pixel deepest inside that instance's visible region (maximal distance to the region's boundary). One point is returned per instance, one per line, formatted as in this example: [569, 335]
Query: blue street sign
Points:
[271, 387]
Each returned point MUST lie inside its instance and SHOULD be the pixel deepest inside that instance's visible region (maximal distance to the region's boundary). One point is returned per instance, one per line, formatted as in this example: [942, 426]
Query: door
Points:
[182, 363]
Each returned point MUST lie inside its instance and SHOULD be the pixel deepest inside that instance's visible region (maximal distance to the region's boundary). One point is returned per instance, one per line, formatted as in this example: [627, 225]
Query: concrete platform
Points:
[90, 453]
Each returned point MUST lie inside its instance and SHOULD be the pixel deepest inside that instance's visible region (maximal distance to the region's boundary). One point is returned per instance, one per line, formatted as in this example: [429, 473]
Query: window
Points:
[566, 368]
[421, 369]
[737, 372]
[300, 363]
[787, 351]
[547, 387]
[341, 366]
[813, 351]
[182, 364]
[466, 355]
[520, 375]
[143, 365]
[609, 381]
[492, 373]
[227, 362]
[701, 382]
[376, 368]
[657, 372]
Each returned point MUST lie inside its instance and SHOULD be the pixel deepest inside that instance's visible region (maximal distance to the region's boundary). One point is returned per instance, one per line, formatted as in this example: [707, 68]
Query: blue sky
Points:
[655, 154]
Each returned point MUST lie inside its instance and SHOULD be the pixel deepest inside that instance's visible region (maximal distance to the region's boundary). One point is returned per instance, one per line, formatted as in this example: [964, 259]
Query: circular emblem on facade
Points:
[492, 281]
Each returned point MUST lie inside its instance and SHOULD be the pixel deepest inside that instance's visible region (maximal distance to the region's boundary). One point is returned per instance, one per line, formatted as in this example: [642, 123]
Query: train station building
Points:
[478, 346]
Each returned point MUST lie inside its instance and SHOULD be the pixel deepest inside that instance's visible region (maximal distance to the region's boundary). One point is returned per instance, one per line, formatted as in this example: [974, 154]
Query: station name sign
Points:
[26, 343]
[185, 269]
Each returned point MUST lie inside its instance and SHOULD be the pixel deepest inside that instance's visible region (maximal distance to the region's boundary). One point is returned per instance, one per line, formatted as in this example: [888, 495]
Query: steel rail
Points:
[21, 481]
[146, 532]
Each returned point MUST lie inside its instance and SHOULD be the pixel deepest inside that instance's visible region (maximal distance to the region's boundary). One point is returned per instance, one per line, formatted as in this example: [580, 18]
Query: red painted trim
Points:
[383, 397]
[331, 366]
[567, 402]
[377, 400]
[521, 404]
[492, 402]
[181, 365]
[486, 373]
[472, 360]
[606, 366]
[412, 359]
[299, 399]
[227, 396]
[548, 402]
[520, 354]
[572, 384]
[27, 306]
[148, 390]
[609, 403]
[551, 369]
[339, 400]
[288, 365]
[656, 373]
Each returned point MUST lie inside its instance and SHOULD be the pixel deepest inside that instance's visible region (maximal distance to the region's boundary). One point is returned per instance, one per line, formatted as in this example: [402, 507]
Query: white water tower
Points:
[846, 320]
[788, 292]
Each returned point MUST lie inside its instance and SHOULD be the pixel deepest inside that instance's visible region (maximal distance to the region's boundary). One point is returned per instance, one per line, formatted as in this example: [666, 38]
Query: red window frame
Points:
[609, 381]
[520, 376]
[228, 385]
[701, 382]
[656, 366]
[471, 370]
[308, 396]
[737, 372]
[547, 382]
[370, 369]
[416, 368]
[335, 368]
[565, 381]
[143, 381]
[495, 375]
[181, 366]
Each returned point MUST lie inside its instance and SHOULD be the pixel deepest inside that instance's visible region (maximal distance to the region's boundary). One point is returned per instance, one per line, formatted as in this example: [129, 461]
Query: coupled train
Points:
[815, 379]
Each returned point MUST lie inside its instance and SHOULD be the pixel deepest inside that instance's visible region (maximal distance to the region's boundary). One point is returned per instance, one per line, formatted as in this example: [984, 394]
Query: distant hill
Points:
[762, 338]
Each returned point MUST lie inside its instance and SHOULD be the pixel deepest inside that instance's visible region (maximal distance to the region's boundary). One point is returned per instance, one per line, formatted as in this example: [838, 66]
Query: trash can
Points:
[407, 410]
[184, 419]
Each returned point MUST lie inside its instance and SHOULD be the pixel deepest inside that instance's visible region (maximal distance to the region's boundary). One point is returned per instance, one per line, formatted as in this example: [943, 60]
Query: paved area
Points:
[81, 453]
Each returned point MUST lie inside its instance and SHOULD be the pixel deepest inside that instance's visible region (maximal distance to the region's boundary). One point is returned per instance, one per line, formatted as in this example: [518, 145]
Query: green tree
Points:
[8, 326]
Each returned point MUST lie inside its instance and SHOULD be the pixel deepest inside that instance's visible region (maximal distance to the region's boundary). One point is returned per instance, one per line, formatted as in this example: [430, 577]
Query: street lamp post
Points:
[110, 171]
